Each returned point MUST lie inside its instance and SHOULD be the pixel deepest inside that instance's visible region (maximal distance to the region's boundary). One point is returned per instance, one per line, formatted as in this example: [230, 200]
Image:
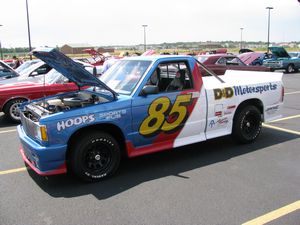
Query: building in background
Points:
[77, 48]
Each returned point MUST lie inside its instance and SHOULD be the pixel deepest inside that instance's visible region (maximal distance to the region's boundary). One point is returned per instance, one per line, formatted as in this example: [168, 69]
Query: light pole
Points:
[1, 46]
[269, 9]
[28, 28]
[241, 37]
[145, 46]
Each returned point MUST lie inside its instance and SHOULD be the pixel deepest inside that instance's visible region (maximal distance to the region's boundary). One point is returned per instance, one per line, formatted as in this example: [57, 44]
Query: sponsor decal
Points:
[61, 125]
[163, 116]
[219, 113]
[223, 93]
[272, 109]
[229, 109]
[239, 90]
[113, 114]
[219, 122]
[212, 123]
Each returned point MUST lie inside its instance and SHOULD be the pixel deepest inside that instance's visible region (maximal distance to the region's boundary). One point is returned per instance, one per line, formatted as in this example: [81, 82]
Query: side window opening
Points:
[172, 76]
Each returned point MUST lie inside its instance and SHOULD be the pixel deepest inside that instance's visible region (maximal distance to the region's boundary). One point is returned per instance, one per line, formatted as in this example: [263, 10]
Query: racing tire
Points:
[290, 68]
[247, 124]
[94, 156]
[11, 109]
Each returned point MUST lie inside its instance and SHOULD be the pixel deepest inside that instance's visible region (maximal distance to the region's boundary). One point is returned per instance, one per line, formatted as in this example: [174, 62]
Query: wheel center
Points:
[248, 124]
[97, 157]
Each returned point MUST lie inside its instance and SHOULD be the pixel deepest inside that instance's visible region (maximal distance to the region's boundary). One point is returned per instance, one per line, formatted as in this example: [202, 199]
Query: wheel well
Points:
[8, 101]
[111, 129]
[255, 102]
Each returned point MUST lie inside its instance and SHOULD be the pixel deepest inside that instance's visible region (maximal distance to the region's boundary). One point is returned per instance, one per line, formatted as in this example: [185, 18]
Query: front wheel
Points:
[94, 156]
[247, 124]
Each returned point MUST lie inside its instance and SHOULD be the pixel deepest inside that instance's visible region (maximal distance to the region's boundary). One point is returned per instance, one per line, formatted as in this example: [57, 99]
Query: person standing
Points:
[16, 61]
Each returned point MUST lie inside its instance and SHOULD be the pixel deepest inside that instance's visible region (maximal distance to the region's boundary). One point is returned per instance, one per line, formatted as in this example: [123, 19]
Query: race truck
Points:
[141, 105]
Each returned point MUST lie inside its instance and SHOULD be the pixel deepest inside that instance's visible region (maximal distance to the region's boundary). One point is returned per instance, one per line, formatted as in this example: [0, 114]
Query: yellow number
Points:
[179, 111]
[159, 110]
[156, 117]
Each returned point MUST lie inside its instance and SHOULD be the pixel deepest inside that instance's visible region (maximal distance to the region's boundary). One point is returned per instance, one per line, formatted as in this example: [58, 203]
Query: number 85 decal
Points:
[163, 116]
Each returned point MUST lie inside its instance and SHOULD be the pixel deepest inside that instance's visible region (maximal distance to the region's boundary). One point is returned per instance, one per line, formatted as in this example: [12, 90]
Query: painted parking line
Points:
[7, 131]
[285, 118]
[274, 214]
[292, 93]
[281, 129]
[13, 170]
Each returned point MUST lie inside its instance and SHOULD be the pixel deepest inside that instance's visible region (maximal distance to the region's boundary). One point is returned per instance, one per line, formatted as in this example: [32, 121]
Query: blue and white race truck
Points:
[140, 105]
[281, 60]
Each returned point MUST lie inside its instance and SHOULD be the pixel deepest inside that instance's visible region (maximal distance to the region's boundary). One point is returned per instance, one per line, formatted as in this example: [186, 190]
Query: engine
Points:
[61, 103]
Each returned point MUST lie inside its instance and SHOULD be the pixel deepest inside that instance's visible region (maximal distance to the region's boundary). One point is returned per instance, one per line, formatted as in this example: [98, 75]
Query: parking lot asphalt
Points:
[216, 182]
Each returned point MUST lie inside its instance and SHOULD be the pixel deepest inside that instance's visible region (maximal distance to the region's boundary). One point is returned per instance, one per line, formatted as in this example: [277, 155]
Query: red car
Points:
[12, 95]
[97, 58]
[219, 63]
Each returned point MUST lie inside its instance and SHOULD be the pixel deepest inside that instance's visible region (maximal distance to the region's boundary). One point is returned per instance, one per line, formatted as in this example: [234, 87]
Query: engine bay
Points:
[62, 103]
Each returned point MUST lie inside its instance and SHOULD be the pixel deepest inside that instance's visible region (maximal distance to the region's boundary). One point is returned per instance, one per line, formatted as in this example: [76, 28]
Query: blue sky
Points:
[119, 22]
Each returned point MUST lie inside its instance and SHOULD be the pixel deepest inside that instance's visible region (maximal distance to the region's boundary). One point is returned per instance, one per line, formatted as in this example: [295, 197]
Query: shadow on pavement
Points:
[4, 122]
[133, 172]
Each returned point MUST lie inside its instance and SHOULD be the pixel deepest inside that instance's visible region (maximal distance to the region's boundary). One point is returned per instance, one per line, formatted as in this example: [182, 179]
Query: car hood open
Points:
[70, 69]
[279, 52]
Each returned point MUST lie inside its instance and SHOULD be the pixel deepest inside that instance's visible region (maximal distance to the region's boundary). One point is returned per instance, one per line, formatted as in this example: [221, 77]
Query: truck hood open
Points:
[70, 69]
[279, 52]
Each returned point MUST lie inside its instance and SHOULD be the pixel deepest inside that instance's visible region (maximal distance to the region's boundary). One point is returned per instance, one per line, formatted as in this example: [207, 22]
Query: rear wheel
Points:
[94, 156]
[11, 110]
[247, 124]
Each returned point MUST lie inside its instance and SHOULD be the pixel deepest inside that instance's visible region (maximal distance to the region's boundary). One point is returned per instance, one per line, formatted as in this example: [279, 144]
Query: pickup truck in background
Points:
[281, 60]
[140, 105]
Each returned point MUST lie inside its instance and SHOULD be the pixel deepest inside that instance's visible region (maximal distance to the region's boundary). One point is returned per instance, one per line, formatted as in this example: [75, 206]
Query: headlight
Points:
[280, 63]
[41, 132]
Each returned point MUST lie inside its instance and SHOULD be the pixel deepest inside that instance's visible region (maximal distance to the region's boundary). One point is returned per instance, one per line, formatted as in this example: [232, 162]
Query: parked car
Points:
[219, 63]
[282, 60]
[6, 71]
[97, 59]
[33, 72]
[9, 62]
[244, 50]
[253, 58]
[24, 88]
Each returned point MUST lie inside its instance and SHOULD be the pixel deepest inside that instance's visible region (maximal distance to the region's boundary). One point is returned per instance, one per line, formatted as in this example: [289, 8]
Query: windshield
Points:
[294, 54]
[202, 58]
[54, 77]
[25, 65]
[30, 68]
[124, 75]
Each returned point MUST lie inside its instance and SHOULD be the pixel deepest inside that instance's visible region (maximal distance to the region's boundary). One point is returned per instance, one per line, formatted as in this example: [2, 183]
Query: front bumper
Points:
[43, 160]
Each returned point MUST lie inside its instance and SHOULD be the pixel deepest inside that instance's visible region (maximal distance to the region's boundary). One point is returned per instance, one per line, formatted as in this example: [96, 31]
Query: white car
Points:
[33, 72]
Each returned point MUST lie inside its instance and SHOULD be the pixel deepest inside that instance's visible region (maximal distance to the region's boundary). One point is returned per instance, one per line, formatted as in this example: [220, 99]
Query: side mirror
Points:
[149, 90]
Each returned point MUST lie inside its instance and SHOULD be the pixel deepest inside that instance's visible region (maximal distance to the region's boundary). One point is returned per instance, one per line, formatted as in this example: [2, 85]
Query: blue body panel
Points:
[43, 158]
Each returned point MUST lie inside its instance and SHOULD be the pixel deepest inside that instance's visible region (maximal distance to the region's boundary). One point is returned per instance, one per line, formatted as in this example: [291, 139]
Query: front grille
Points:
[29, 126]
[272, 64]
